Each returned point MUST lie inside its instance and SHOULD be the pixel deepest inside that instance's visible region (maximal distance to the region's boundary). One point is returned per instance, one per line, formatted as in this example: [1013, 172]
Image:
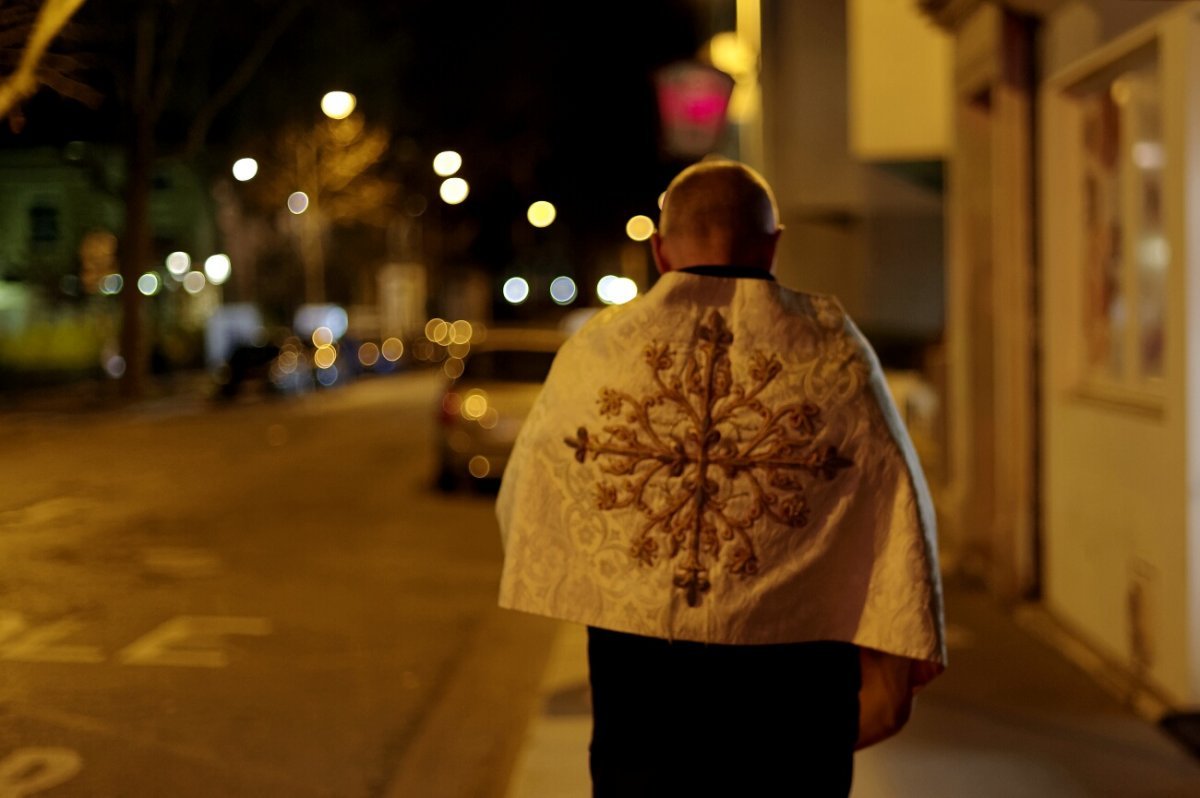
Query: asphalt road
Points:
[264, 599]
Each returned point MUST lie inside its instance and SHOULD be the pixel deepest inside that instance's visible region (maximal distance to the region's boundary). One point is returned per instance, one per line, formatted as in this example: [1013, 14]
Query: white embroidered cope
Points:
[720, 461]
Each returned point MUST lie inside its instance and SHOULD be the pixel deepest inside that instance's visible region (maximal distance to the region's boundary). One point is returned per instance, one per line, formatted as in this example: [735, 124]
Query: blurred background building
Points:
[1003, 195]
[1067, 134]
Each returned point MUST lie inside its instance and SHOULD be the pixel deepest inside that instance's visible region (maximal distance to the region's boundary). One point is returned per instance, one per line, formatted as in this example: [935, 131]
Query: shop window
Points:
[1125, 254]
[43, 224]
[1108, 220]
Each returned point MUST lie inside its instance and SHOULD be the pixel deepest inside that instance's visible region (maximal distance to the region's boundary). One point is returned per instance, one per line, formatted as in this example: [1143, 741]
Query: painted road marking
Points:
[31, 770]
[191, 641]
[41, 645]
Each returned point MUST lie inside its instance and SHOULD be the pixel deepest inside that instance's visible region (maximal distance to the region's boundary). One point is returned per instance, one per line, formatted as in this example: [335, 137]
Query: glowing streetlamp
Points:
[297, 202]
[217, 268]
[447, 163]
[516, 290]
[338, 104]
[454, 190]
[639, 228]
[245, 169]
[541, 214]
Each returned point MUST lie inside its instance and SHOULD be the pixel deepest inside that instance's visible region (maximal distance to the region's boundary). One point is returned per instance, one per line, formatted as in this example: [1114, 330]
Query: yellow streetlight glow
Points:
[322, 336]
[435, 328]
[732, 55]
[368, 354]
[392, 349]
[447, 163]
[460, 332]
[474, 405]
[541, 214]
[453, 367]
[338, 104]
[454, 190]
[325, 356]
[639, 228]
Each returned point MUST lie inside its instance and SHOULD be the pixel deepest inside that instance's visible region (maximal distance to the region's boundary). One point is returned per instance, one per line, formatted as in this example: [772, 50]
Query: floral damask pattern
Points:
[701, 421]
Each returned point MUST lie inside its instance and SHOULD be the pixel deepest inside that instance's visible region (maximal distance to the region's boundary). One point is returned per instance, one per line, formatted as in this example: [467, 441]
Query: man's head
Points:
[717, 213]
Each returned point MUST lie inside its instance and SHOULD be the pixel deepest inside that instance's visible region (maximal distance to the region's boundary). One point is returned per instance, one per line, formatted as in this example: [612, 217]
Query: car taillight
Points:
[451, 404]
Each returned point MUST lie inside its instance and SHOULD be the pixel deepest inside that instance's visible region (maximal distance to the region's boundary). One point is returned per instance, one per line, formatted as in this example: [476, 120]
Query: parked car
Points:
[482, 410]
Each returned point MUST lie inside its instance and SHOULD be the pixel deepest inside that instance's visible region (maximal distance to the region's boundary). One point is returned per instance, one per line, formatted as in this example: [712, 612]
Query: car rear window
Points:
[505, 365]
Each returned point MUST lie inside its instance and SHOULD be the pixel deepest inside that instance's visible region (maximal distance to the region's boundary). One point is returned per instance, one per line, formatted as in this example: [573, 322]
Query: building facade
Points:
[1050, 275]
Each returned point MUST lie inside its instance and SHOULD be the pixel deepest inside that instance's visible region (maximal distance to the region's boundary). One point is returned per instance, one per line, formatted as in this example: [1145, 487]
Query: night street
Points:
[259, 599]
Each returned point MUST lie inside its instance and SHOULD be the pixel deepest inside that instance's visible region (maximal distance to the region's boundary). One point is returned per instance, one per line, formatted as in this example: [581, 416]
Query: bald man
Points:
[715, 481]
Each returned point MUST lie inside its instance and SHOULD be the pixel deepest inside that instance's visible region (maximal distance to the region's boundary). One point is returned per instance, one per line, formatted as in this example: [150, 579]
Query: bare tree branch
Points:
[23, 82]
[170, 54]
[71, 88]
[241, 76]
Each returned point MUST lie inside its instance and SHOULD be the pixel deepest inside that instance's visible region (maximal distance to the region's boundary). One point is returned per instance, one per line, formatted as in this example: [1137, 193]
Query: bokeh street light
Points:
[194, 282]
[245, 169]
[297, 202]
[338, 104]
[614, 290]
[148, 284]
[639, 228]
[447, 163]
[217, 268]
[454, 190]
[563, 290]
[516, 290]
[111, 284]
[178, 264]
[541, 214]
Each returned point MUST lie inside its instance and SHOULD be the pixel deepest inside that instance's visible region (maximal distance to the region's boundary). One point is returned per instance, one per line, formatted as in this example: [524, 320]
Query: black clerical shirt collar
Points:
[729, 271]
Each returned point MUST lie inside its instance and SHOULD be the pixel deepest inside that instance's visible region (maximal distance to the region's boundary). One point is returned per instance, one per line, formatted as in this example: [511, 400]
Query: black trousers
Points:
[689, 719]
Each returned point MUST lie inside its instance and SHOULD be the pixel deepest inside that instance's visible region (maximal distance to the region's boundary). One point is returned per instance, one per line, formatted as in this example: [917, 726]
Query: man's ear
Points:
[660, 259]
[770, 246]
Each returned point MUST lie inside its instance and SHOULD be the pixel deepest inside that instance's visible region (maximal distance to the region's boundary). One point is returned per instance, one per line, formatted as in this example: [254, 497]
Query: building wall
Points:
[863, 232]
[1116, 495]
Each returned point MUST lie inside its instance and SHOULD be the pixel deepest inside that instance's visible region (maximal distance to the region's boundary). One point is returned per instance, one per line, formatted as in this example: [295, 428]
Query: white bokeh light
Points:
[454, 190]
[245, 169]
[178, 263]
[111, 284]
[447, 163]
[217, 268]
[194, 282]
[338, 104]
[516, 290]
[614, 290]
[563, 290]
[297, 202]
[149, 284]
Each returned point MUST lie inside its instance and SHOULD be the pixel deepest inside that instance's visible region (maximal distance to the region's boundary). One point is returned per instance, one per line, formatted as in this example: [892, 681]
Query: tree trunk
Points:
[135, 246]
[135, 254]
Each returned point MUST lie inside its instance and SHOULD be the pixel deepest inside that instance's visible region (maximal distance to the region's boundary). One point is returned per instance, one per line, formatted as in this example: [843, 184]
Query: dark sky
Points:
[545, 100]
[553, 98]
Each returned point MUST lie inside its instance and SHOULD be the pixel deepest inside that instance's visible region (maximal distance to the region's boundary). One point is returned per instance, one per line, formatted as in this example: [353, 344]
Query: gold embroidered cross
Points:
[699, 419]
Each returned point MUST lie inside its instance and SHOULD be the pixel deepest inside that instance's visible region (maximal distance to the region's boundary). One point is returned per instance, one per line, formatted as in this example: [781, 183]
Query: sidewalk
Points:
[1010, 717]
